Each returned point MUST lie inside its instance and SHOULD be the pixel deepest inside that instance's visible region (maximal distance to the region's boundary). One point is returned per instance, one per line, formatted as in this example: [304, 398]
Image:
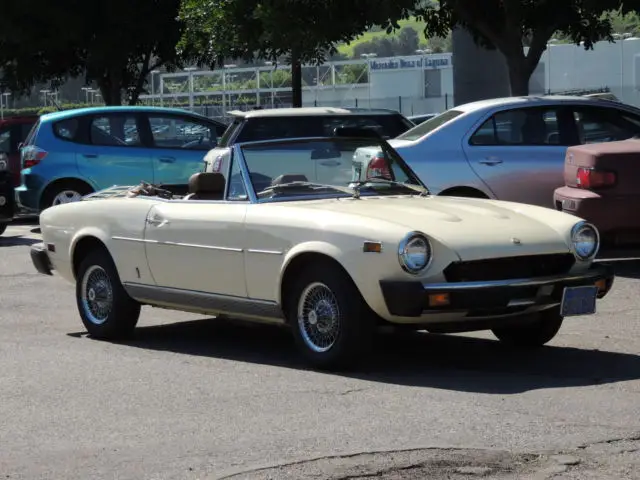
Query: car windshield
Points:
[327, 167]
[428, 126]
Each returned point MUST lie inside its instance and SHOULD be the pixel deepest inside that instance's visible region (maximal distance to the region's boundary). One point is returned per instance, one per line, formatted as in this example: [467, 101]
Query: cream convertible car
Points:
[281, 234]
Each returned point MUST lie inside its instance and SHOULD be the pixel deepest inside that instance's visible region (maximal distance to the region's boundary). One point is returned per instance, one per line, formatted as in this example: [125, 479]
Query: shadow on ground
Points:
[17, 240]
[450, 362]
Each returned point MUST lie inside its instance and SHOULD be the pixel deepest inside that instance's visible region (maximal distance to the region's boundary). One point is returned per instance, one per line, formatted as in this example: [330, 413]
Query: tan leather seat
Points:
[206, 186]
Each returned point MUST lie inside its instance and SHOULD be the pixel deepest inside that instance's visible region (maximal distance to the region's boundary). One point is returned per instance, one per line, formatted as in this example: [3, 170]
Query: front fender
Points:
[324, 248]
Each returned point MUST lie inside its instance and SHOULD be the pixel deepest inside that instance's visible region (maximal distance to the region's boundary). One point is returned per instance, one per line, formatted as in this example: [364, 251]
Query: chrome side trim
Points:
[192, 300]
[518, 282]
[265, 252]
[129, 239]
[205, 247]
[179, 244]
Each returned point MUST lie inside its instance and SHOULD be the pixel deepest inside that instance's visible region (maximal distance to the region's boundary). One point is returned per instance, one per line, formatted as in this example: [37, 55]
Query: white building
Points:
[413, 85]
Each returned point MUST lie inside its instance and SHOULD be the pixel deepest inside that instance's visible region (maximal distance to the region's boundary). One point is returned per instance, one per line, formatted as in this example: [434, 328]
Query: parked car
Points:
[507, 148]
[7, 196]
[272, 124]
[75, 152]
[13, 132]
[329, 259]
[601, 186]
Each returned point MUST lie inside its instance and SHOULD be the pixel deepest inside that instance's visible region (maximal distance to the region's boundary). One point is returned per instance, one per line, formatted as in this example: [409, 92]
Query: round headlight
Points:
[585, 240]
[414, 252]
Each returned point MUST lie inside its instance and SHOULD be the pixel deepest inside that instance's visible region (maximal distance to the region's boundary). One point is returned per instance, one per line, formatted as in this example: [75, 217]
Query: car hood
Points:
[473, 228]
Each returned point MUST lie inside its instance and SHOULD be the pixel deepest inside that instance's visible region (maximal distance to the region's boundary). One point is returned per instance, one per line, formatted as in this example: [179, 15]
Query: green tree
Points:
[299, 31]
[115, 43]
[509, 25]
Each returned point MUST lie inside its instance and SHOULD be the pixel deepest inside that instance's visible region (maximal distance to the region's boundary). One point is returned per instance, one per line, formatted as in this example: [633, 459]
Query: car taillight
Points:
[32, 156]
[589, 178]
[378, 168]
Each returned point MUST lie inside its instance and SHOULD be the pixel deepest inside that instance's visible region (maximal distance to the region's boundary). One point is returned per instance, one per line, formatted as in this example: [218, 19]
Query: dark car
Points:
[601, 186]
[13, 132]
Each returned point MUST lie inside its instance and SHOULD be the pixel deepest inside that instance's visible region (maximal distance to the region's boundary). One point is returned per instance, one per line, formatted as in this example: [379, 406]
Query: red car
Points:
[13, 132]
[602, 186]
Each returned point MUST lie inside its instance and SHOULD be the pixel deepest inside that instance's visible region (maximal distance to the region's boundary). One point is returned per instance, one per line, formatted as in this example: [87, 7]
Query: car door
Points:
[179, 144]
[519, 153]
[112, 151]
[197, 245]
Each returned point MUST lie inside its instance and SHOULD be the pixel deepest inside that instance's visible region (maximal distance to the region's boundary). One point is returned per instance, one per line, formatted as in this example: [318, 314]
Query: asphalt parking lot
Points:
[195, 398]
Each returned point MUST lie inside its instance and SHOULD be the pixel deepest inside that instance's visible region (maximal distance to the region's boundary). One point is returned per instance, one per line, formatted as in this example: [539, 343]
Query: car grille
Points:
[508, 268]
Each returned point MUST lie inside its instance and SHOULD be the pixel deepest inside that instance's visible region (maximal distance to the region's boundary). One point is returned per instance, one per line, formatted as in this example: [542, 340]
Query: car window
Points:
[228, 133]
[430, 125]
[25, 129]
[170, 131]
[115, 131]
[237, 190]
[32, 133]
[601, 124]
[387, 126]
[66, 129]
[5, 140]
[271, 128]
[524, 126]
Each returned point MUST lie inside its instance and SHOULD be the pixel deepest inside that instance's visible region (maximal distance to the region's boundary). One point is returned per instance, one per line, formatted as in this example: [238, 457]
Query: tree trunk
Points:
[296, 79]
[519, 75]
[110, 89]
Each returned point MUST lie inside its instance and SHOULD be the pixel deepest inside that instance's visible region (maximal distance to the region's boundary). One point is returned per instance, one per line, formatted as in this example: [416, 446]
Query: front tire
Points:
[331, 323]
[541, 331]
[106, 310]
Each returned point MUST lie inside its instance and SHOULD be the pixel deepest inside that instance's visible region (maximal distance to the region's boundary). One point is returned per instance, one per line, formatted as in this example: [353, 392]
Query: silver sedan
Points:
[506, 148]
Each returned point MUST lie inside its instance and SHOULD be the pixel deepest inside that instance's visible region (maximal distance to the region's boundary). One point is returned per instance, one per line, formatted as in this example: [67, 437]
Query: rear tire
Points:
[330, 321]
[66, 191]
[106, 310]
[545, 327]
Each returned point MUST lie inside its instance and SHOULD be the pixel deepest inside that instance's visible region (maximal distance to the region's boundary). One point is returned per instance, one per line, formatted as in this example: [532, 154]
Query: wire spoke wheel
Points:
[96, 295]
[319, 318]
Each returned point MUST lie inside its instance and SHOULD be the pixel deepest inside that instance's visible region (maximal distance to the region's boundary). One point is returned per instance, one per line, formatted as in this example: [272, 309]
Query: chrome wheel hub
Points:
[96, 295]
[318, 317]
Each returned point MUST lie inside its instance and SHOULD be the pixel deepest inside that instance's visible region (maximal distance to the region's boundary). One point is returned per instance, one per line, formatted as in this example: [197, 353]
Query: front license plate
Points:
[578, 301]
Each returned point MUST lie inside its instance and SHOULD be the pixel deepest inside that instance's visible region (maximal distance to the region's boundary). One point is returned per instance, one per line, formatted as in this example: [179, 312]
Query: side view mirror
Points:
[20, 145]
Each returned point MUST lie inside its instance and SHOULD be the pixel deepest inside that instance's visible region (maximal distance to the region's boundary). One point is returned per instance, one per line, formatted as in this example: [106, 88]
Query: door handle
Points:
[330, 163]
[167, 159]
[157, 221]
[90, 155]
[491, 161]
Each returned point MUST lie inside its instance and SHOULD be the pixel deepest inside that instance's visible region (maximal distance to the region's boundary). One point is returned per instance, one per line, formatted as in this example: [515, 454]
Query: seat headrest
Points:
[288, 178]
[209, 182]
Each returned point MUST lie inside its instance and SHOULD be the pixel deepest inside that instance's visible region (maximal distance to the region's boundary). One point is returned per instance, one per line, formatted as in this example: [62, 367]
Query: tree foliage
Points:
[509, 25]
[301, 31]
[114, 43]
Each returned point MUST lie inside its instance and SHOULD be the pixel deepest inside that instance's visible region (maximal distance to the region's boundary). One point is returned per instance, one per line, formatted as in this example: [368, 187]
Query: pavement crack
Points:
[352, 390]
[610, 441]
[382, 472]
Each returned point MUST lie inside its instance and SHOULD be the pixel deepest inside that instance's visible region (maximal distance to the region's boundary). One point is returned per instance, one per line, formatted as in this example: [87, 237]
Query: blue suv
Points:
[72, 153]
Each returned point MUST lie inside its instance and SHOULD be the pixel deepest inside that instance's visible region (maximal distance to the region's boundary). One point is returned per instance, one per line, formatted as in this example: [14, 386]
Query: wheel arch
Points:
[61, 181]
[304, 255]
[464, 191]
[82, 244]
